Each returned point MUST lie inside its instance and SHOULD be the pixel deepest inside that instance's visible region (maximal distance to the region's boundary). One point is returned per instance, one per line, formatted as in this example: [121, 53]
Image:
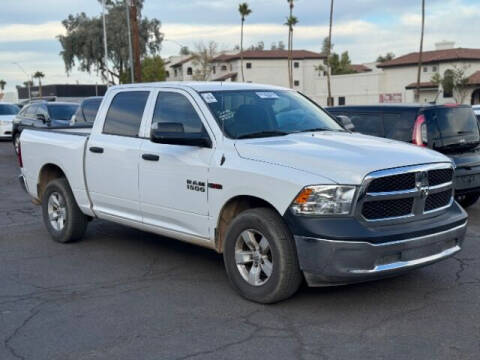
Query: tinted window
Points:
[125, 113]
[399, 126]
[29, 111]
[368, 123]
[90, 109]
[7, 109]
[176, 108]
[62, 111]
[456, 121]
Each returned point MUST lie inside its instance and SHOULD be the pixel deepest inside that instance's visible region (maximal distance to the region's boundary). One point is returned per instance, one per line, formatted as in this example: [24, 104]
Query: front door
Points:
[173, 178]
[113, 157]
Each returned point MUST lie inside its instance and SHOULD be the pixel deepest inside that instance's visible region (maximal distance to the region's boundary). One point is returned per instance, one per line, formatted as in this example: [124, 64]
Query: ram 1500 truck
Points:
[259, 173]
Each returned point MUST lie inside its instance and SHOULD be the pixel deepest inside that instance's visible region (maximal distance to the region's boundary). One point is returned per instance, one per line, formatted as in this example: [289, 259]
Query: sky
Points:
[364, 28]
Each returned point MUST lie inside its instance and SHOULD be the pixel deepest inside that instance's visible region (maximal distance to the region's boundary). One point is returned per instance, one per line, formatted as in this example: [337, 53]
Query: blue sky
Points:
[366, 28]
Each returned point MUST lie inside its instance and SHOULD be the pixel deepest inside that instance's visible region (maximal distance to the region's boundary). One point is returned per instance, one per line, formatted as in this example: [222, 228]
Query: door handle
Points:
[150, 157]
[97, 150]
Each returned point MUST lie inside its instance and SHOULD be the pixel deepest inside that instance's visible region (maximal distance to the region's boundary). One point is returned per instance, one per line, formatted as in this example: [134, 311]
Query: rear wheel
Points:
[16, 142]
[61, 215]
[467, 200]
[260, 257]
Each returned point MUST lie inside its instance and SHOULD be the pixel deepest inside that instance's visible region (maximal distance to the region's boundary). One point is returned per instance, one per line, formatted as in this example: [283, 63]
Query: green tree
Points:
[387, 57]
[244, 11]
[153, 69]
[203, 56]
[184, 51]
[2, 84]
[335, 64]
[39, 76]
[454, 82]
[82, 44]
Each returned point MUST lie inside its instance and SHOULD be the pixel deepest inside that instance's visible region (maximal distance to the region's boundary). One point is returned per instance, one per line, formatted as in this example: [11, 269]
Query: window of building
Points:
[167, 74]
[296, 64]
[425, 69]
[296, 83]
[224, 67]
[175, 107]
[324, 73]
[214, 69]
[434, 68]
[125, 113]
[447, 83]
[176, 72]
[249, 65]
[341, 100]
[189, 71]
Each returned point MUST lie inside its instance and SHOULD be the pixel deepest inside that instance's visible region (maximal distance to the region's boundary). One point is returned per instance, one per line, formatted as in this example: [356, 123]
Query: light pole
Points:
[105, 49]
[30, 79]
[130, 50]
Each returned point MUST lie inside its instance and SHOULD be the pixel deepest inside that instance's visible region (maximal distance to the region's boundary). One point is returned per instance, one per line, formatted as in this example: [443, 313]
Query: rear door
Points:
[113, 156]
[174, 178]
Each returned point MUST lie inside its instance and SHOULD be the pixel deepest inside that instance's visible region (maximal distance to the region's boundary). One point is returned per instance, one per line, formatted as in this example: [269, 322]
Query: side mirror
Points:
[174, 134]
[42, 118]
[346, 122]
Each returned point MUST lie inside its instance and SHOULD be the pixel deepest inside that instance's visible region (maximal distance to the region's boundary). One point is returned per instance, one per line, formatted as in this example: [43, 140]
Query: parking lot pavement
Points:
[126, 294]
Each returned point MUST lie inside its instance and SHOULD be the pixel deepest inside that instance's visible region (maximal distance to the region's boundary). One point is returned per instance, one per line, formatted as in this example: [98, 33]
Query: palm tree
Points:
[291, 21]
[39, 75]
[244, 11]
[420, 54]
[2, 85]
[329, 51]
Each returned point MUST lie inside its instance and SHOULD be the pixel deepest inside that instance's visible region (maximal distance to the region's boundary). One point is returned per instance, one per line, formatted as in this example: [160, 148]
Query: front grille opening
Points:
[440, 176]
[392, 183]
[374, 210]
[438, 200]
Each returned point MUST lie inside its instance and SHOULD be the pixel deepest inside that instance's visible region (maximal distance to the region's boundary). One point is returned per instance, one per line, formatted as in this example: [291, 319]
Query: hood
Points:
[343, 157]
[7, 117]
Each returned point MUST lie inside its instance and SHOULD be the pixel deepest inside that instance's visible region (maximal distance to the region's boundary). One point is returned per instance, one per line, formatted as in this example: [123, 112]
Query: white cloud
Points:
[30, 32]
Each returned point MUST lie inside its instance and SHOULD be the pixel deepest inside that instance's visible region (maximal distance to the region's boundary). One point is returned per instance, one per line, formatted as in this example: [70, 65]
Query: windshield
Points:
[457, 122]
[62, 111]
[8, 109]
[263, 113]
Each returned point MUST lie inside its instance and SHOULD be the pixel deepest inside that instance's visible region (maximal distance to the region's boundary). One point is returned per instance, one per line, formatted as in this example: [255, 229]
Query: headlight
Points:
[324, 200]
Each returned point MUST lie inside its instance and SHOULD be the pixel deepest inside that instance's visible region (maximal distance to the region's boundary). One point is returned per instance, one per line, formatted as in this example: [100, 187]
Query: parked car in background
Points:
[450, 129]
[476, 110]
[87, 111]
[7, 114]
[42, 114]
[258, 173]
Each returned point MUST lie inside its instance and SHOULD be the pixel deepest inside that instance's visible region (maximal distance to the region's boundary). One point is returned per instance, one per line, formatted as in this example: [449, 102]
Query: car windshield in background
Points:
[62, 111]
[8, 109]
[456, 122]
[263, 113]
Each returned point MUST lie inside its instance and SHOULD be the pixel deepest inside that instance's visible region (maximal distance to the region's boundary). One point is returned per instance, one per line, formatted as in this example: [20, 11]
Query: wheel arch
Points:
[47, 173]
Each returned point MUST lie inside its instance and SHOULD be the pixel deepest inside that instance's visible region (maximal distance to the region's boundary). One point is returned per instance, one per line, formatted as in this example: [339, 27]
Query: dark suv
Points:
[450, 129]
[42, 114]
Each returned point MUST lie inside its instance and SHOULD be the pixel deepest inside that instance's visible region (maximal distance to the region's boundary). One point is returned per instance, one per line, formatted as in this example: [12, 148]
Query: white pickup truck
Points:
[258, 173]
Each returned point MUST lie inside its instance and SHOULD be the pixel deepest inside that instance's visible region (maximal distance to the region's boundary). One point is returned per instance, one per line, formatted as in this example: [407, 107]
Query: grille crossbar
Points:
[401, 193]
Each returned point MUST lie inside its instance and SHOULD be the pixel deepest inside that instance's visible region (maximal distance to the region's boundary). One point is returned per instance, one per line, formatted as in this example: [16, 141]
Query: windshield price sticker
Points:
[209, 98]
[267, 95]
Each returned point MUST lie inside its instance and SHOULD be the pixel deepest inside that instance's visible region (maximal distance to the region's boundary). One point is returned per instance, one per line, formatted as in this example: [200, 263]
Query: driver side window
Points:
[172, 107]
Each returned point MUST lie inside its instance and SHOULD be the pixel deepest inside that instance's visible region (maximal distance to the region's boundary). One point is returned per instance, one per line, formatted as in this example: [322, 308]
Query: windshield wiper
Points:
[316, 129]
[261, 134]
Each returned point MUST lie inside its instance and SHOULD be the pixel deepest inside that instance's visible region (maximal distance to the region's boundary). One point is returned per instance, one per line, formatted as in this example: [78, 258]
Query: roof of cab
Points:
[200, 86]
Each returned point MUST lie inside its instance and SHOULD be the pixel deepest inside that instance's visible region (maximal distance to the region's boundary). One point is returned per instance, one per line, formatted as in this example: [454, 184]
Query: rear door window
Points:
[90, 109]
[125, 113]
[368, 123]
[399, 125]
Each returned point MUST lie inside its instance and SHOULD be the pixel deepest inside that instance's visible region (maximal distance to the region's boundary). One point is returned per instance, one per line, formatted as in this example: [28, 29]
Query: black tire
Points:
[15, 139]
[75, 222]
[285, 278]
[468, 200]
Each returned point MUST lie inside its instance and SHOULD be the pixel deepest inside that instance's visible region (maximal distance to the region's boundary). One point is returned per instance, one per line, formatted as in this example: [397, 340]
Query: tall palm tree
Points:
[244, 11]
[420, 54]
[2, 85]
[291, 21]
[39, 76]
[329, 51]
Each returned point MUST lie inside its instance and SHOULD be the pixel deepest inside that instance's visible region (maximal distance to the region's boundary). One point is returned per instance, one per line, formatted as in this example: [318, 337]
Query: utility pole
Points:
[105, 49]
[135, 40]
[29, 82]
[130, 51]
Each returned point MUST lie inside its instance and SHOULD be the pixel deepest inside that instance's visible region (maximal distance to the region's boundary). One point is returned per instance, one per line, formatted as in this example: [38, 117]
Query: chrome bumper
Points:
[331, 262]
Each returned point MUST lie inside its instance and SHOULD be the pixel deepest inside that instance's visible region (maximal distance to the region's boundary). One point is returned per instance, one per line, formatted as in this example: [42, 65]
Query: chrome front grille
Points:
[402, 193]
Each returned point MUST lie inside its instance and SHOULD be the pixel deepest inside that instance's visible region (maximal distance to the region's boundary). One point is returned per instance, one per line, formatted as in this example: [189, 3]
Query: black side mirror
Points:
[346, 122]
[174, 134]
[41, 117]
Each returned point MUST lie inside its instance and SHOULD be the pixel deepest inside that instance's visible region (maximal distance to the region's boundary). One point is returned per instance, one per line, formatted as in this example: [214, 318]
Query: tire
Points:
[58, 195]
[16, 142]
[468, 200]
[280, 260]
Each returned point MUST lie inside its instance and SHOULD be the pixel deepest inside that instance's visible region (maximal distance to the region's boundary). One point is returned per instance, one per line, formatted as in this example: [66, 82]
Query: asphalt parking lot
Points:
[126, 294]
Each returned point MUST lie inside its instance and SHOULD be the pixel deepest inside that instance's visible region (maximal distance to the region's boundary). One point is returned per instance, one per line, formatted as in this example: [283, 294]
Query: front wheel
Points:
[468, 200]
[260, 257]
[16, 142]
[61, 215]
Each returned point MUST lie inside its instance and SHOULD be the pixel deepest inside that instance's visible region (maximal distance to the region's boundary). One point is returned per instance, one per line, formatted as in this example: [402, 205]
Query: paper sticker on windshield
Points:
[267, 95]
[209, 98]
